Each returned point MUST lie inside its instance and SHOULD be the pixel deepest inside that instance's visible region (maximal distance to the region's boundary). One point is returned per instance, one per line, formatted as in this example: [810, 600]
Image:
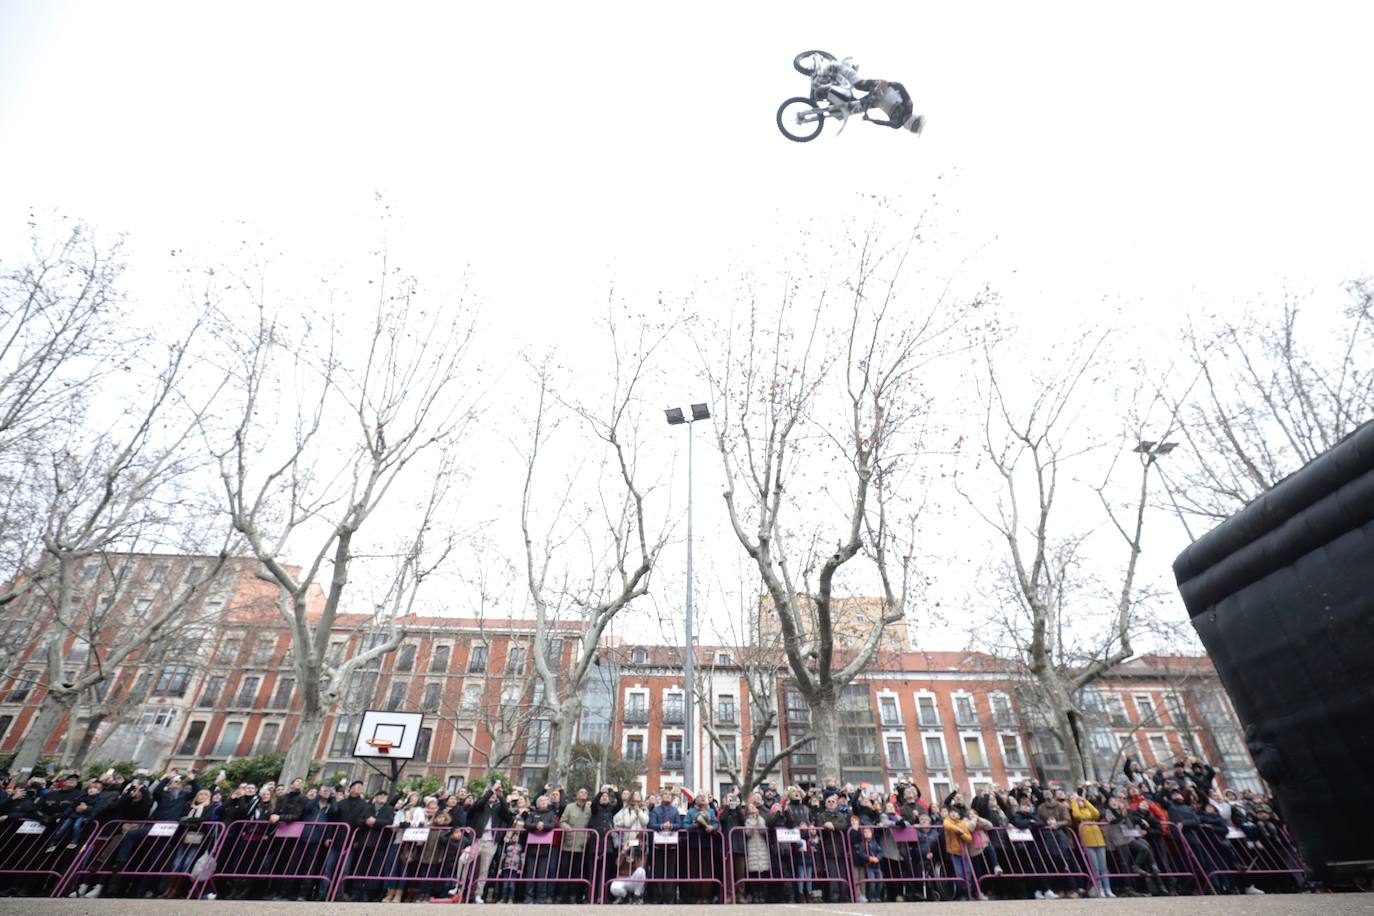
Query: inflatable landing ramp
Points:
[1282, 594]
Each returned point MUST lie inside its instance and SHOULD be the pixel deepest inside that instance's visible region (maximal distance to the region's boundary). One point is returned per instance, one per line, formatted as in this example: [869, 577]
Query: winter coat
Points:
[756, 844]
[957, 836]
[172, 803]
[1084, 815]
[576, 817]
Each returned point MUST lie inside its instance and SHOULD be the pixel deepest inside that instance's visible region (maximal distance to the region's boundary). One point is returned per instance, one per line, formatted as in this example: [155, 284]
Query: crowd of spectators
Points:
[778, 844]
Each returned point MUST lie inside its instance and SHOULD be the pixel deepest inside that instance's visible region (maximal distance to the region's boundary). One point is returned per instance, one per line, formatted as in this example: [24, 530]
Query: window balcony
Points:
[725, 715]
[672, 762]
[672, 715]
[937, 762]
[636, 716]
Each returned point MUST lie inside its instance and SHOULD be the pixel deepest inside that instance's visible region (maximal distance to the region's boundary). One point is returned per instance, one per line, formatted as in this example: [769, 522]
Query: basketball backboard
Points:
[388, 735]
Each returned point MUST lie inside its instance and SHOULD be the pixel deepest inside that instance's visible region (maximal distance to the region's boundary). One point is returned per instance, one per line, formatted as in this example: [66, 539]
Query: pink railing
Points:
[158, 854]
[683, 865]
[263, 859]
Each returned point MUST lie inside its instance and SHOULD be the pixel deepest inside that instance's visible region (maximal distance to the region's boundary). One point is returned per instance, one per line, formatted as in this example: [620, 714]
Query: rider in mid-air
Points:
[890, 98]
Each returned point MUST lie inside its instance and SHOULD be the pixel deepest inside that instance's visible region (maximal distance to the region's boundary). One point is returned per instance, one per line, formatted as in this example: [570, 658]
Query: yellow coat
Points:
[1084, 814]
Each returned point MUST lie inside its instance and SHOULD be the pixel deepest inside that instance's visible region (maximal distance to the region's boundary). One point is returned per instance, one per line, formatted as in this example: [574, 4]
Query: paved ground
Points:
[1272, 905]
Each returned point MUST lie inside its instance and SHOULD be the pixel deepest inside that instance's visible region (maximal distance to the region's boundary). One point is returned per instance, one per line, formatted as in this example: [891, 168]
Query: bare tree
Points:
[369, 422]
[1271, 394]
[619, 552]
[819, 414]
[1066, 625]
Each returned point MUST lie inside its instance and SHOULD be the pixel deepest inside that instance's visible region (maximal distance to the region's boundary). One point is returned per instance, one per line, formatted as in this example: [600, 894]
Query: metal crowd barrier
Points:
[1240, 858]
[1043, 858]
[765, 862]
[1171, 854]
[530, 866]
[436, 861]
[25, 858]
[914, 864]
[152, 852]
[260, 858]
[678, 864]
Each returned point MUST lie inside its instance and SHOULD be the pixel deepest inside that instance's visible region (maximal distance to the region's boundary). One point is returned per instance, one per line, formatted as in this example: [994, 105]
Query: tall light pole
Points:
[675, 418]
[1153, 451]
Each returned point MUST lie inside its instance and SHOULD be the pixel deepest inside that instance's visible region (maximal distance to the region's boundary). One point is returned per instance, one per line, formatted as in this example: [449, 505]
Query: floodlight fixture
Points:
[675, 416]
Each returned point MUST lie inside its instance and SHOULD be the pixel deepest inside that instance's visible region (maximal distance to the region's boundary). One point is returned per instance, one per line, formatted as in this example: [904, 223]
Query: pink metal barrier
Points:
[1236, 858]
[766, 864]
[1041, 858]
[685, 865]
[149, 855]
[1174, 866]
[262, 859]
[434, 862]
[912, 863]
[33, 858]
[512, 863]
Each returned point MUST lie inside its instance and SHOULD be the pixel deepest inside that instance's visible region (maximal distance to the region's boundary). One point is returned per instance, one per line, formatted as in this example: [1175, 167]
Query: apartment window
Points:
[472, 697]
[515, 660]
[1002, 715]
[405, 659]
[639, 657]
[173, 681]
[341, 744]
[964, 714]
[209, 694]
[935, 753]
[634, 749]
[927, 713]
[974, 758]
[795, 708]
[194, 732]
[462, 746]
[636, 708]
[1160, 748]
[939, 790]
[396, 697]
[1145, 708]
[1178, 712]
[141, 608]
[477, 661]
[725, 709]
[672, 709]
[335, 654]
[195, 573]
[1011, 752]
[228, 744]
[422, 744]
[248, 690]
[439, 661]
[23, 684]
[454, 783]
[430, 701]
[104, 604]
[263, 649]
[229, 650]
[90, 570]
[268, 738]
[553, 652]
[1116, 710]
[896, 754]
[766, 749]
[79, 653]
[725, 754]
[157, 716]
[281, 697]
[157, 574]
[723, 658]
[888, 713]
[672, 756]
[5, 723]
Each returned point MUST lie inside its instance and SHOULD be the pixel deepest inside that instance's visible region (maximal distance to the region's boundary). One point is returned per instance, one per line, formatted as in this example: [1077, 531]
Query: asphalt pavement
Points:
[1270, 905]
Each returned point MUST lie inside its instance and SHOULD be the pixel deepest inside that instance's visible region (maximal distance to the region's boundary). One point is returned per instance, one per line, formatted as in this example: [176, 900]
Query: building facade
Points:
[225, 689]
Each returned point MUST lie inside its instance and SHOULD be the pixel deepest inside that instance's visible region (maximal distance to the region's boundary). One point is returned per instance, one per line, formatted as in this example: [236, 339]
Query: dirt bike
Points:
[802, 118]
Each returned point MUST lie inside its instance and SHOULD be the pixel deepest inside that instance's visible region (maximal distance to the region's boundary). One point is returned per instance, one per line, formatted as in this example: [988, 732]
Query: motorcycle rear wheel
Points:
[790, 123]
[807, 67]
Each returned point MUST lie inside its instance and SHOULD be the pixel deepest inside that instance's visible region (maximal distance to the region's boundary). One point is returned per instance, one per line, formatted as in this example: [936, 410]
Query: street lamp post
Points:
[675, 418]
[1156, 450]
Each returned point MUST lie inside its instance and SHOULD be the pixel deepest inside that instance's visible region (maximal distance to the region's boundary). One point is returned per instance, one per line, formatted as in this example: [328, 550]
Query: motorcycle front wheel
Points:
[791, 123]
[805, 62]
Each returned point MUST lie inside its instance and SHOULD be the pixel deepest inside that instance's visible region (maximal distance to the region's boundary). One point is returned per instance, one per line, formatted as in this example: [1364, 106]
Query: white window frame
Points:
[937, 796]
[238, 742]
[1020, 750]
[944, 751]
[1154, 752]
[642, 735]
[257, 739]
[982, 750]
[896, 701]
[954, 699]
[1141, 718]
[992, 707]
[935, 703]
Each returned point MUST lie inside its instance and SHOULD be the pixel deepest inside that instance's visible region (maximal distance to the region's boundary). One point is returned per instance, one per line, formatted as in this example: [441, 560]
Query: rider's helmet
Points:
[915, 123]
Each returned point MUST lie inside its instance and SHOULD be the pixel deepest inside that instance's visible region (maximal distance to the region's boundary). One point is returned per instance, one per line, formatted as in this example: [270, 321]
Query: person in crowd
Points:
[1085, 817]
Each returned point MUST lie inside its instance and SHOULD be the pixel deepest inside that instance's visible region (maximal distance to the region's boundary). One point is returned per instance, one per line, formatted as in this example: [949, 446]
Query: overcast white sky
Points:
[1163, 158]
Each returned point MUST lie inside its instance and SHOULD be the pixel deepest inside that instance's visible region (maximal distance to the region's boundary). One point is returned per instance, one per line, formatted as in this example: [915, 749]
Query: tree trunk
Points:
[83, 748]
[560, 756]
[1069, 738]
[825, 728]
[44, 723]
[301, 754]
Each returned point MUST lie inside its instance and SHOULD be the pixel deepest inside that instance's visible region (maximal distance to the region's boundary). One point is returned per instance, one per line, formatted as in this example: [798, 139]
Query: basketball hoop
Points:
[382, 746]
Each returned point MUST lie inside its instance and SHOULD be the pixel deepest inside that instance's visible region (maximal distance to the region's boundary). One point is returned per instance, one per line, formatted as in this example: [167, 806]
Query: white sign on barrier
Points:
[1132, 833]
[31, 827]
[415, 835]
[1017, 835]
[1234, 833]
[665, 838]
[163, 828]
[786, 835]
